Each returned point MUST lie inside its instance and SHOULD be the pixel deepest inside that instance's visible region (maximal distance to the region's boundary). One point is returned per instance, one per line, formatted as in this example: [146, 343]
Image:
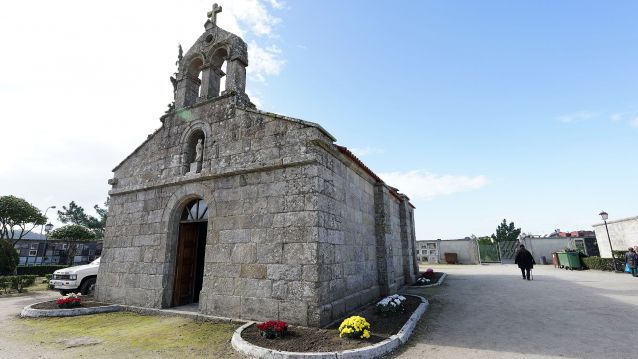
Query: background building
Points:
[31, 249]
[622, 232]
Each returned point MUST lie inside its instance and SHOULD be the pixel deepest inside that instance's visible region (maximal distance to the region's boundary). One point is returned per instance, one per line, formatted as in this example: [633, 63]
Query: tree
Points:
[16, 213]
[506, 232]
[75, 214]
[482, 240]
[72, 234]
[9, 257]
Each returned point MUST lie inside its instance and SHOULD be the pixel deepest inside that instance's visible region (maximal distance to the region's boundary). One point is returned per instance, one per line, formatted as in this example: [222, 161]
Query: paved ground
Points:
[490, 312]
[10, 308]
[487, 312]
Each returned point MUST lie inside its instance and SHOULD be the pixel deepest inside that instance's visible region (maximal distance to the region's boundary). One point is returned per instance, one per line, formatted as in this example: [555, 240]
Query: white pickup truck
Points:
[76, 279]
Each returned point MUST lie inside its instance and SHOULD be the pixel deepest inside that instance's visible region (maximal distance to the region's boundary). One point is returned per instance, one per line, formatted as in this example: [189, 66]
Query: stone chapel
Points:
[241, 213]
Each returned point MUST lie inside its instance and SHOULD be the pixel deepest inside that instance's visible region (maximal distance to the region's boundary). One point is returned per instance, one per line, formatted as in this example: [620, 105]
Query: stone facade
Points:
[298, 229]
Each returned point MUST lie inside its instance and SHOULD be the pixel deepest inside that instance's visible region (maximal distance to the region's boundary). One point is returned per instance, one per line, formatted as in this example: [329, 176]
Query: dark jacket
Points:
[631, 258]
[524, 259]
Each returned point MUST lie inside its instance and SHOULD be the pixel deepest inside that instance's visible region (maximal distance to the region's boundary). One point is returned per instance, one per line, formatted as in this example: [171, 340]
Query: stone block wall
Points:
[296, 231]
[261, 261]
[348, 275]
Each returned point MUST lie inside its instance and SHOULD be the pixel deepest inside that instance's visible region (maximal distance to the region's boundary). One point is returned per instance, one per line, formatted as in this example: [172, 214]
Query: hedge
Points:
[605, 264]
[17, 282]
[39, 270]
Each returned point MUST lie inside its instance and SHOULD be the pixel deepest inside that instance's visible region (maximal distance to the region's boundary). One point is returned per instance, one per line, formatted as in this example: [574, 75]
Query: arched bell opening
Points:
[215, 72]
[193, 81]
[191, 252]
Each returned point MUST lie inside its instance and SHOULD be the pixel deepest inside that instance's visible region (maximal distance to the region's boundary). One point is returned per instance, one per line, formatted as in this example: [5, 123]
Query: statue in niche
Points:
[196, 165]
[198, 150]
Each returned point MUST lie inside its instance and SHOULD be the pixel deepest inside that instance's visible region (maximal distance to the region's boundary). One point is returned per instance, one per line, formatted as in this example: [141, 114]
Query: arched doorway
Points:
[191, 248]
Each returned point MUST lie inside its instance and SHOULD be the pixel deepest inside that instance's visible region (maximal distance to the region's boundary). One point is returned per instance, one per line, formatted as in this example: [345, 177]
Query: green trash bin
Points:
[569, 260]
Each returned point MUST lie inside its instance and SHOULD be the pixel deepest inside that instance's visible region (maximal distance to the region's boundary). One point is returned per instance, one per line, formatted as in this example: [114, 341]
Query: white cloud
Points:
[634, 123]
[277, 4]
[253, 14]
[264, 61]
[616, 117]
[423, 185]
[252, 20]
[96, 83]
[366, 151]
[576, 117]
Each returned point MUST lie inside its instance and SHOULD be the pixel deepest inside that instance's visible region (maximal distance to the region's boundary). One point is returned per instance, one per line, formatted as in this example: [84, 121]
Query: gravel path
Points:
[489, 311]
[10, 308]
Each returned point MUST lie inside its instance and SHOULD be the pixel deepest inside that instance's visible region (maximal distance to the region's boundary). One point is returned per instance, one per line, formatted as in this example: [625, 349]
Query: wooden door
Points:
[185, 266]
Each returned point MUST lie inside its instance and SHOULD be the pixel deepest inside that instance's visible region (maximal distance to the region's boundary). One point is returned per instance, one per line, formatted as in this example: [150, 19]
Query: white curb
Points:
[30, 312]
[373, 351]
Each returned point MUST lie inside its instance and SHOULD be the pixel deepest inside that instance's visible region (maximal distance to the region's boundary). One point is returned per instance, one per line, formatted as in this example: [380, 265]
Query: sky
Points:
[477, 110]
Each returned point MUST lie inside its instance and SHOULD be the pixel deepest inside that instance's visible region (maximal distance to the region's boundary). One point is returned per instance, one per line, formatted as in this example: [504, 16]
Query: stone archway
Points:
[191, 250]
[172, 219]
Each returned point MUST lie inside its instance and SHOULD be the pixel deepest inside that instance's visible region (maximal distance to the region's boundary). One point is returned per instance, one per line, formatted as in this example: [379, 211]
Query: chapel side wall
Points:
[347, 248]
[394, 239]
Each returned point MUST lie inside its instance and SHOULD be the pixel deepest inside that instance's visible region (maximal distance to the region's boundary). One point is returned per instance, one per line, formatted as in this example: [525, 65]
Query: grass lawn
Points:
[128, 335]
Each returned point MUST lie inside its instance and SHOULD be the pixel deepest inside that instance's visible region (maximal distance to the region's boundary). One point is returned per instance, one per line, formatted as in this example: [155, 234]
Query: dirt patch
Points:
[53, 305]
[301, 339]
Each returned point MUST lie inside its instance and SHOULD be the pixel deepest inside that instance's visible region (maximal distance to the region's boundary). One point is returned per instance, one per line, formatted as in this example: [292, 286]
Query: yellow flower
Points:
[355, 327]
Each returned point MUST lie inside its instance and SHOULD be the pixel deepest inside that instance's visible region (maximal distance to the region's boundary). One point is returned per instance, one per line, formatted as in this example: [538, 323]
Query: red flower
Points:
[272, 328]
[67, 300]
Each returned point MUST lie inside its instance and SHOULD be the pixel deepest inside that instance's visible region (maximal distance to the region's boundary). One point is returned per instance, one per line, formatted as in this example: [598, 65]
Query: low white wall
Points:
[623, 234]
[466, 250]
[545, 246]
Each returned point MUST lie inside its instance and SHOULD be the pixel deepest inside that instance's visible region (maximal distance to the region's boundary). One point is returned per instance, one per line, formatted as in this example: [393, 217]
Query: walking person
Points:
[631, 259]
[525, 261]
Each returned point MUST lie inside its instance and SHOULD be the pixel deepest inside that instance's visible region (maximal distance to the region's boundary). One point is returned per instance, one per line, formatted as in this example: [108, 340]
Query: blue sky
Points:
[477, 110]
[537, 96]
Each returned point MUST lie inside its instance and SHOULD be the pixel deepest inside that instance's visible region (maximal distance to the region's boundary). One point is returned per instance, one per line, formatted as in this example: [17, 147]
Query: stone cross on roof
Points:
[212, 15]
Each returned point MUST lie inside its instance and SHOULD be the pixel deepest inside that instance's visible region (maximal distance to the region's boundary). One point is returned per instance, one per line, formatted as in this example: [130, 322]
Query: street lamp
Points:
[47, 229]
[604, 216]
[41, 227]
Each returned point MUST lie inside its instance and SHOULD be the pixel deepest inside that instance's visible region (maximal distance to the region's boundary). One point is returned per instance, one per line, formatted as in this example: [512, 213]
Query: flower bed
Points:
[428, 277]
[273, 329]
[302, 339]
[391, 305]
[87, 302]
[69, 301]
